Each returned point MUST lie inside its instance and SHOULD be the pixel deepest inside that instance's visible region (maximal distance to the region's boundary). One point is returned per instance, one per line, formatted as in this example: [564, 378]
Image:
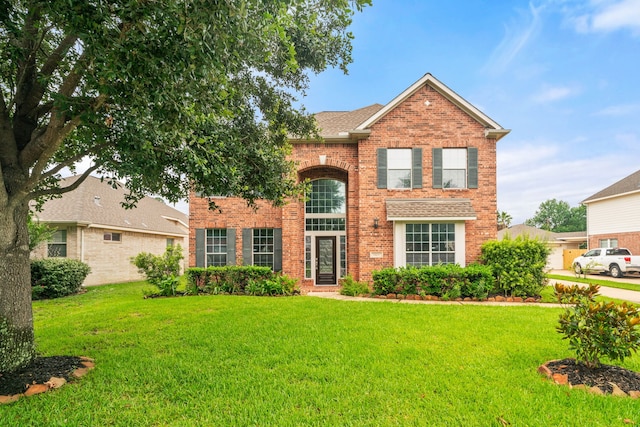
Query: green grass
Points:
[633, 285]
[304, 361]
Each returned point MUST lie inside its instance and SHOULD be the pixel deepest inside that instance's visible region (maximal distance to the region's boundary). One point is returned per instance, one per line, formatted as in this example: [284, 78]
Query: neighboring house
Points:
[412, 182]
[613, 215]
[563, 246]
[92, 226]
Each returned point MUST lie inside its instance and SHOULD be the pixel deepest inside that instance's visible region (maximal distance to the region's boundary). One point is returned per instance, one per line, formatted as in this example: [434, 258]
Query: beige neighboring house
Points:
[613, 215]
[92, 226]
[557, 242]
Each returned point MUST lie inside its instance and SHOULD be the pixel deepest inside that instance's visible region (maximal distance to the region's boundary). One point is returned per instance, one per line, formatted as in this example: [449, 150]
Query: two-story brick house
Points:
[412, 182]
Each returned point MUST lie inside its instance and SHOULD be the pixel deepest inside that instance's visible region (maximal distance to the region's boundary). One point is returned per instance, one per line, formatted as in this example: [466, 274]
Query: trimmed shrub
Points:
[57, 277]
[161, 271]
[353, 288]
[228, 279]
[518, 265]
[596, 330]
[445, 281]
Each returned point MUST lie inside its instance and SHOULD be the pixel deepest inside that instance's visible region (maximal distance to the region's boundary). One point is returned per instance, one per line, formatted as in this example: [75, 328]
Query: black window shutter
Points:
[382, 168]
[472, 167]
[247, 246]
[277, 249]
[231, 246]
[416, 168]
[200, 245]
[437, 168]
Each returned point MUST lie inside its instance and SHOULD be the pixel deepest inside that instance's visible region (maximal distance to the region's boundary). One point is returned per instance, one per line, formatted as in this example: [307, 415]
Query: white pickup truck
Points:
[615, 261]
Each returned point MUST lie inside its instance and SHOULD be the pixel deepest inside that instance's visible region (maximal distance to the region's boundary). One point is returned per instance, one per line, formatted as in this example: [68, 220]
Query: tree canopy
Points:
[557, 216]
[172, 95]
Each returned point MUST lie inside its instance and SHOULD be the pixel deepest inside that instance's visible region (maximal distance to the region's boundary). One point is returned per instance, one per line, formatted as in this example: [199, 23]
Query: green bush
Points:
[353, 288]
[518, 265]
[230, 279]
[445, 281]
[280, 284]
[57, 277]
[161, 271]
[597, 329]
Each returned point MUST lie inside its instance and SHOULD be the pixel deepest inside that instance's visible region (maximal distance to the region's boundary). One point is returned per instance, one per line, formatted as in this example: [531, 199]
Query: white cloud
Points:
[606, 16]
[619, 110]
[516, 38]
[554, 93]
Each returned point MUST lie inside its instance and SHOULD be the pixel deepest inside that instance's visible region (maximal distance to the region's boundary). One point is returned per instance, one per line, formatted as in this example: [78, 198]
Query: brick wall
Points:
[414, 123]
[630, 241]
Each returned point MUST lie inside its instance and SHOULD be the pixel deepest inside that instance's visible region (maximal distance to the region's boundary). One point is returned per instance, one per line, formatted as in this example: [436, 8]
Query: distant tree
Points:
[504, 220]
[557, 216]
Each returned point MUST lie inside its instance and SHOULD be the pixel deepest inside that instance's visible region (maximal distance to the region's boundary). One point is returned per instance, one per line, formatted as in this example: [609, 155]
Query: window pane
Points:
[399, 178]
[216, 247]
[452, 178]
[430, 244]
[263, 244]
[454, 158]
[399, 158]
[327, 196]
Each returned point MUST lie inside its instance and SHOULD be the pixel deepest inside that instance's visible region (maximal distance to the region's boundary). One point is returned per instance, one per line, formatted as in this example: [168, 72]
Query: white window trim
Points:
[400, 241]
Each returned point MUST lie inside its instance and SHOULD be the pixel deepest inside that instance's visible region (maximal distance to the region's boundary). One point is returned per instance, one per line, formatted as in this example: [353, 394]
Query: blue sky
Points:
[563, 75]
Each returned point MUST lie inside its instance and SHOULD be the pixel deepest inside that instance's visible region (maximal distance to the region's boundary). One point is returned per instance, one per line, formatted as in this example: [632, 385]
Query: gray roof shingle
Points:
[96, 202]
[430, 208]
[625, 185]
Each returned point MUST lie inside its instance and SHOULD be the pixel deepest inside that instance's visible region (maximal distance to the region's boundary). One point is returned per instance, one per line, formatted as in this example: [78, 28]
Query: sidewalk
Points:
[623, 294]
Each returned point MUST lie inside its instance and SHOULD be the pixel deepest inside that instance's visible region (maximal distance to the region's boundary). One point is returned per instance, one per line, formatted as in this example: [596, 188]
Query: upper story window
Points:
[327, 196]
[112, 237]
[57, 246]
[399, 168]
[455, 167]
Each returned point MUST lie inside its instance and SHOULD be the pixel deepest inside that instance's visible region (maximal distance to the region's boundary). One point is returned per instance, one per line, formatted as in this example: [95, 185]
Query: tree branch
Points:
[58, 191]
[71, 161]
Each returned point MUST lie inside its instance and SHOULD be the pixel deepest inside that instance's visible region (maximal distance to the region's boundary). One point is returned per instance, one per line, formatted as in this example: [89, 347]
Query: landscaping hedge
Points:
[57, 277]
[228, 279]
[444, 281]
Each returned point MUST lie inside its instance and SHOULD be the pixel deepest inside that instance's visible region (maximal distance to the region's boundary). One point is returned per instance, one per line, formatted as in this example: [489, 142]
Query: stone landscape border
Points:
[53, 383]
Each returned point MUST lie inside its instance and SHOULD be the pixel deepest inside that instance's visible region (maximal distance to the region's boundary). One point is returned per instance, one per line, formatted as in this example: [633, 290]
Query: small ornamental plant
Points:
[597, 329]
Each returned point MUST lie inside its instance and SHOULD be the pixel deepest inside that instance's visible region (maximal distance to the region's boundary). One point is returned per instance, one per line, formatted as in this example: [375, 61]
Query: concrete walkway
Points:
[622, 294]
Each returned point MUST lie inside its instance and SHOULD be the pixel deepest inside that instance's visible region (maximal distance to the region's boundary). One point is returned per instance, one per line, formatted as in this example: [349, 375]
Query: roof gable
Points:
[630, 184]
[493, 129]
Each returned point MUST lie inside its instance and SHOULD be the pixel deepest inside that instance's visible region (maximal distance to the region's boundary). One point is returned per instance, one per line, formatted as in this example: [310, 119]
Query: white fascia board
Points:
[414, 219]
[463, 104]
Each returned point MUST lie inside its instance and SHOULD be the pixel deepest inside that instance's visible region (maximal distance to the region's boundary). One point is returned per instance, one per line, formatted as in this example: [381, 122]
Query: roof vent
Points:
[96, 200]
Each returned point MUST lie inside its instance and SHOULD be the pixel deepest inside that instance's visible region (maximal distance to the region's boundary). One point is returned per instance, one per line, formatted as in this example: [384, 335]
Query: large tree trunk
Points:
[17, 347]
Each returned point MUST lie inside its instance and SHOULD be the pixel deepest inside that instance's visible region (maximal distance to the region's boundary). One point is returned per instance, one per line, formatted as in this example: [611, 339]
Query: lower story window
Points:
[112, 237]
[57, 246]
[608, 243]
[216, 247]
[263, 247]
[430, 244]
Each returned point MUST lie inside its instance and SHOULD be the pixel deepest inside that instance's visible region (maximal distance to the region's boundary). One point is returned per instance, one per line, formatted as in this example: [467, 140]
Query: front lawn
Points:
[298, 361]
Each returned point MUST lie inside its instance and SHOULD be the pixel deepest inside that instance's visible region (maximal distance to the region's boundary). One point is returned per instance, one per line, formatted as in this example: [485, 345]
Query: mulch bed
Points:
[42, 374]
[606, 379]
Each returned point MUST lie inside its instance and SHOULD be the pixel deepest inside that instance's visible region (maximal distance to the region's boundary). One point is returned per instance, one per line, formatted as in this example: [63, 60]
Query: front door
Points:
[326, 260]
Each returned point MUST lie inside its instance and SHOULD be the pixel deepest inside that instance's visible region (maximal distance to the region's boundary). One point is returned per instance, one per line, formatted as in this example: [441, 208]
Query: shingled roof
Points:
[96, 203]
[630, 184]
[406, 209]
[333, 124]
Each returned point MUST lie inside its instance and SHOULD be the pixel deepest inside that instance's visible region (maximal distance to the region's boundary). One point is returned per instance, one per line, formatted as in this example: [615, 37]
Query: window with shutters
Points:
[216, 247]
[455, 168]
[263, 247]
[399, 168]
